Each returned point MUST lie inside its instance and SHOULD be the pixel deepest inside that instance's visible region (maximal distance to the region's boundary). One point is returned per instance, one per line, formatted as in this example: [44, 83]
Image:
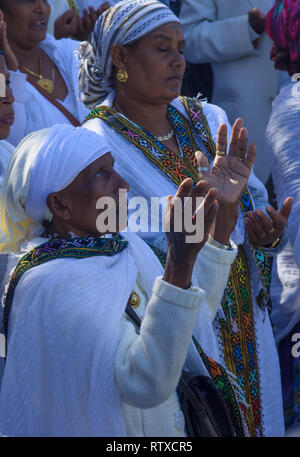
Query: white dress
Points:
[32, 110]
[76, 366]
[148, 181]
[283, 142]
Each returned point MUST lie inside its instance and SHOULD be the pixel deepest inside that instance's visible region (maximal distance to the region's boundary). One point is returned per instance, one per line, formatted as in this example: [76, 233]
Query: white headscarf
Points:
[124, 23]
[45, 161]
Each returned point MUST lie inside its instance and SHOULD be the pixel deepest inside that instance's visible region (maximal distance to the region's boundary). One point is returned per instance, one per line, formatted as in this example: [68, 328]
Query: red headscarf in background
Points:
[283, 27]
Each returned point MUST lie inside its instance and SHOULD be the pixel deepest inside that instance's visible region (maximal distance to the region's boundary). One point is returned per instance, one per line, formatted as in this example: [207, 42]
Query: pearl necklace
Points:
[159, 138]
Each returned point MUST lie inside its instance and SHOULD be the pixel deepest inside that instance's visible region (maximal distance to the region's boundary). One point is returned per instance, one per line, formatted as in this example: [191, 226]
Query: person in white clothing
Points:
[130, 77]
[91, 373]
[282, 139]
[43, 70]
[7, 117]
[231, 37]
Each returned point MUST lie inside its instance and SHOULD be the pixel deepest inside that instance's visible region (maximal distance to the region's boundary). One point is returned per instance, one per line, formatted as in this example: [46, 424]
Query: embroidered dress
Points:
[242, 323]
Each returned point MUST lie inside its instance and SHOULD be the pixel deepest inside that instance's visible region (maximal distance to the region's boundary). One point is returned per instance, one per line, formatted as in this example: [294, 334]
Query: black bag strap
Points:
[184, 386]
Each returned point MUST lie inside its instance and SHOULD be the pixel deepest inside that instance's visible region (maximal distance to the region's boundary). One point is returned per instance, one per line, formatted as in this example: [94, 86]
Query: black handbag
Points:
[204, 408]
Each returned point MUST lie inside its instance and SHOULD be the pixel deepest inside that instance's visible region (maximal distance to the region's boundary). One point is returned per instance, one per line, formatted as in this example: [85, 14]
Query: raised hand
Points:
[66, 25]
[182, 254]
[229, 173]
[257, 20]
[263, 230]
[10, 58]
[87, 22]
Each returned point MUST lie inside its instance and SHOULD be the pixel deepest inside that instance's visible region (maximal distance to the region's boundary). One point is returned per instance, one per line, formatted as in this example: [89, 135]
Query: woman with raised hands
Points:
[130, 78]
[75, 364]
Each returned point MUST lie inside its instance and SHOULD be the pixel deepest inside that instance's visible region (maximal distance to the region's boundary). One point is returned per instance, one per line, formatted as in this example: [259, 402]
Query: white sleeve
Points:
[211, 40]
[18, 85]
[212, 270]
[148, 365]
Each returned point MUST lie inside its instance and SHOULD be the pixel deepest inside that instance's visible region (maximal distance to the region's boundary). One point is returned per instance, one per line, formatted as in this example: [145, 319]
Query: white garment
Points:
[245, 81]
[66, 330]
[6, 150]
[45, 161]
[283, 142]
[32, 110]
[148, 181]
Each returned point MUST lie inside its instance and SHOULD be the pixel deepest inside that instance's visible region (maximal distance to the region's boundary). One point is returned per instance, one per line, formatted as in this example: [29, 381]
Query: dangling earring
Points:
[122, 75]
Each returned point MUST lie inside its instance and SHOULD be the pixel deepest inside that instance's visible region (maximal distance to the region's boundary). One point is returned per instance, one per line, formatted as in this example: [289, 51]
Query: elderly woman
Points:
[130, 77]
[48, 92]
[283, 26]
[7, 116]
[75, 365]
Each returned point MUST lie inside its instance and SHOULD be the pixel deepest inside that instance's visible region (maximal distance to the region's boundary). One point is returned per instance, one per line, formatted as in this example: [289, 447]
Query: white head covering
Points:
[124, 23]
[45, 161]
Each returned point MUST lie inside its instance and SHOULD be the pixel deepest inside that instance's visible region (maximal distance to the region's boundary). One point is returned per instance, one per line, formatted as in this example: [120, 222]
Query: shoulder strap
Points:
[54, 102]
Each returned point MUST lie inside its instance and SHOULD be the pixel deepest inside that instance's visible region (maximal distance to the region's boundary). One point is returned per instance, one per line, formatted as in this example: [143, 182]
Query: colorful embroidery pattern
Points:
[59, 248]
[217, 372]
[238, 329]
[240, 354]
[176, 167]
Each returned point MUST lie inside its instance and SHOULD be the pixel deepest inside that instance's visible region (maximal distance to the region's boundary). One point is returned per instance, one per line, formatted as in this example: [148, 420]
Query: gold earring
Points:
[122, 75]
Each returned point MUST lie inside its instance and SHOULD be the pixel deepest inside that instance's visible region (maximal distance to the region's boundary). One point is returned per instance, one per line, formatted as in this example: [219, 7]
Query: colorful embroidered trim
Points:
[177, 168]
[217, 372]
[59, 248]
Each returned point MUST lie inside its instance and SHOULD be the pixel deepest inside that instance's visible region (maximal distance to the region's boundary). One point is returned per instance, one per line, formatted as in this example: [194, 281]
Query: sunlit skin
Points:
[74, 208]
[27, 21]
[7, 115]
[155, 67]
[26, 25]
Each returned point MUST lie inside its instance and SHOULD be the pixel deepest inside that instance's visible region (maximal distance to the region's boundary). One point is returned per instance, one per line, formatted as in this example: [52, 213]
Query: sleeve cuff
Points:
[223, 256]
[190, 298]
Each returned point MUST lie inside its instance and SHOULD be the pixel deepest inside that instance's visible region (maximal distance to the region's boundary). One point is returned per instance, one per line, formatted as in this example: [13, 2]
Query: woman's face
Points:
[7, 115]
[155, 65]
[27, 21]
[96, 181]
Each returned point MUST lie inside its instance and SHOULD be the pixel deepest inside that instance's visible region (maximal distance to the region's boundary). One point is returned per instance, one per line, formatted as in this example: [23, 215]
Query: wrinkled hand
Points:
[263, 230]
[257, 20]
[66, 25]
[10, 58]
[181, 253]
[229, 173]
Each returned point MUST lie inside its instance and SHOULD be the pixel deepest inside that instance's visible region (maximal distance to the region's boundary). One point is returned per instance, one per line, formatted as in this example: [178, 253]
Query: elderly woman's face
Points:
[7, 115]
[96, 181]
[155, 65]
[27, 21]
